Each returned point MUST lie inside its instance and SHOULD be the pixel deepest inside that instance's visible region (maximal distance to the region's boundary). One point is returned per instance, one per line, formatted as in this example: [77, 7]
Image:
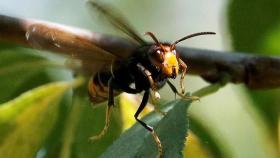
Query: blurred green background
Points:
[234, 122]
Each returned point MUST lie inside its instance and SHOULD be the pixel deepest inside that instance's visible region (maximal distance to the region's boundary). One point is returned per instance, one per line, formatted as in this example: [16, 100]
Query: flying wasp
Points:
[149, 67]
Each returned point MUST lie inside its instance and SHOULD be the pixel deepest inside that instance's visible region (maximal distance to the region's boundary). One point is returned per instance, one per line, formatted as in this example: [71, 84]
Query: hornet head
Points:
[165, 57]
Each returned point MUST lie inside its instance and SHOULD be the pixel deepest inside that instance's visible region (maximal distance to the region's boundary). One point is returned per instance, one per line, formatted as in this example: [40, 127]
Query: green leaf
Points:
[12, 72]
[90, 122]
[26, 121]
[171, 129]
[20, 71]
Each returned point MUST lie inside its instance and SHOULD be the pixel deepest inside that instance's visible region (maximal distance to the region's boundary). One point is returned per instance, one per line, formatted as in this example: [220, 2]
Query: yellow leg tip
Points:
[191, 98]
[194, 98]
[105, 129]
[99, 136]
[159, 146]
[95, 138]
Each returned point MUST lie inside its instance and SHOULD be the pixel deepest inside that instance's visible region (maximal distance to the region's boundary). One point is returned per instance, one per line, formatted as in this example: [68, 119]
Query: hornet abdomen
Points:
[98, 87]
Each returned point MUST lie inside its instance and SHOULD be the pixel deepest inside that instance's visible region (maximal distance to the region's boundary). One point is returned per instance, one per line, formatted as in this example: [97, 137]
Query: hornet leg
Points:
[108, 112]
[173, 88]
[148, 74]
[149, 128]
[184, 70]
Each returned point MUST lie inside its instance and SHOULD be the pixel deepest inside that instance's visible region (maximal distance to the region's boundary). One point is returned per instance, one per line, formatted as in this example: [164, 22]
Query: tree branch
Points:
[257, 72]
